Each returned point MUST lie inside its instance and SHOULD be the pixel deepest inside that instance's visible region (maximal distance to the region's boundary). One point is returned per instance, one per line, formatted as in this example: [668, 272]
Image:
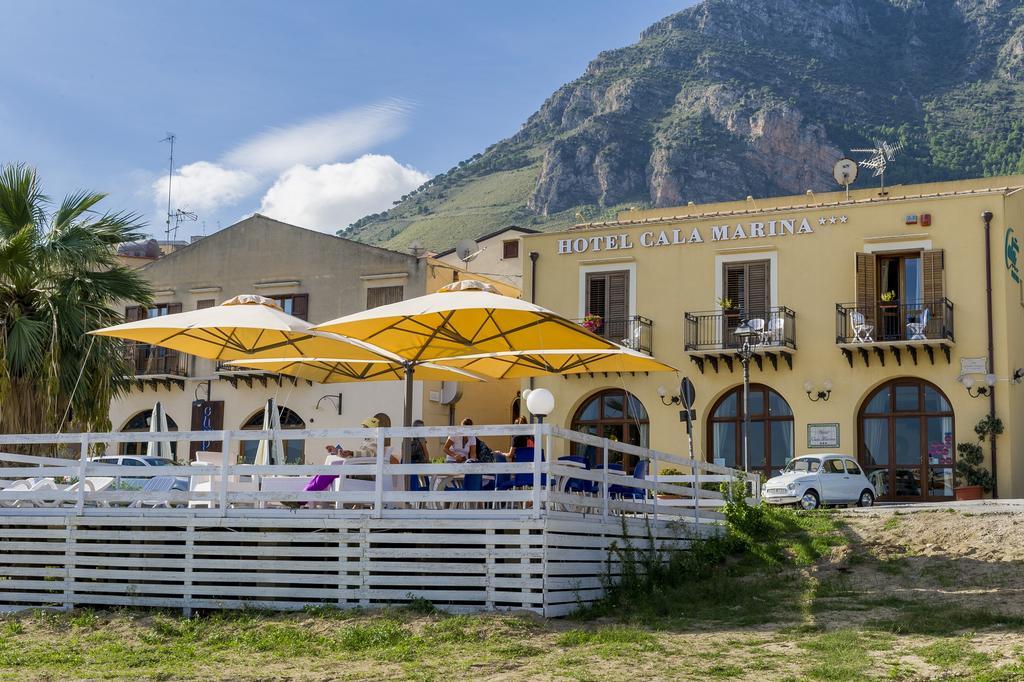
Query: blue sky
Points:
[315, 112]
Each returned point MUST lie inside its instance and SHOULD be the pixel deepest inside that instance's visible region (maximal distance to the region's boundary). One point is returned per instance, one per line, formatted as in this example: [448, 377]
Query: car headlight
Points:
[791, 486]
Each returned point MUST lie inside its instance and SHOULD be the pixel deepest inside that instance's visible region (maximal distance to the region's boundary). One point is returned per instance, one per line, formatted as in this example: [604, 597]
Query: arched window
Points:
[771, 430]
[614, 414]
[140, 421]
[294, 450]
[905, 436]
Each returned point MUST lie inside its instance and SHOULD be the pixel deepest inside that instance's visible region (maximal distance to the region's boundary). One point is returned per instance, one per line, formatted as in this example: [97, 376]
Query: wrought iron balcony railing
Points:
[886, 322]
[146, 360]
[634, 332]
[715, 330]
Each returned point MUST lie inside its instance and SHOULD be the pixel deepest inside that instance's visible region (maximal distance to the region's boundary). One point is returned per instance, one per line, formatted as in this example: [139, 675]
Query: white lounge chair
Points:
[861, 330]
[915, 330]
[775, 334]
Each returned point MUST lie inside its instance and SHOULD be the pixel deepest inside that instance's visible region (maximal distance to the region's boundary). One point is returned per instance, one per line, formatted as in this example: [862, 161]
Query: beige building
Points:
[872, 327]
[313, 276]
[499, 256]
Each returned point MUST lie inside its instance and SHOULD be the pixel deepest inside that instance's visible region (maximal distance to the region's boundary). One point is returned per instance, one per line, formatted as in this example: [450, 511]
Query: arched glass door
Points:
[905, 432]
[294, 450]
[140, 421]
[614, 414]
[771, 430]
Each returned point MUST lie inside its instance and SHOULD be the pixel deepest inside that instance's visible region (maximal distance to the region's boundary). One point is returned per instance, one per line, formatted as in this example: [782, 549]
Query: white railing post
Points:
[378, 479]
[654, 460]
[538, 443]
[604, 483]
[83, 457]
[696, 491]
[225, 457]
[549, 448]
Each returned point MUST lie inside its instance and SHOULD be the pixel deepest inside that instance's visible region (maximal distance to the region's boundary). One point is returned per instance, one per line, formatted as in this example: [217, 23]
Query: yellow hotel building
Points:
[877, 334]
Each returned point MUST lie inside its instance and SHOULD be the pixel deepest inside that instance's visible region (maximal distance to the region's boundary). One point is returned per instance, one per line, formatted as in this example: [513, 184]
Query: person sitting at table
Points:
[418, 453]
[519, 441]
[458, 449]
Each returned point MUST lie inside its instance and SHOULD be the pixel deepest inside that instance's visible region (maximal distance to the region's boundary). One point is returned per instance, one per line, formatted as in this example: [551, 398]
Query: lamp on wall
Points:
[1018, 376]
[823, 394]
[976, 390]
[333, 397]
[666, 399]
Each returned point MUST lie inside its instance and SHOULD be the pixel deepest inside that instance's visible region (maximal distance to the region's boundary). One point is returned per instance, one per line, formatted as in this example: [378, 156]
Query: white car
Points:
[813, 480]
[180, 482]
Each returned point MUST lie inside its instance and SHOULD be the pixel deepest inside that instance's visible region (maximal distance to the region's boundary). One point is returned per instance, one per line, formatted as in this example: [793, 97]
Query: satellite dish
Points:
[451, 392]
[845, 171]
[467, 250]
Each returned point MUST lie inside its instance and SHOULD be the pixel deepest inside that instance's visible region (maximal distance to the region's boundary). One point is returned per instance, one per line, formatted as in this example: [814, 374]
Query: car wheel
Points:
[867, 499]
[810, 500]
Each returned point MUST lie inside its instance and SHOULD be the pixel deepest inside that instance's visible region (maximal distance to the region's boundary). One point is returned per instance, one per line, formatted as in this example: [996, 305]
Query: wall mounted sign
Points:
[1011, 250]
[823, 435]
[973, 366]
[784, 227]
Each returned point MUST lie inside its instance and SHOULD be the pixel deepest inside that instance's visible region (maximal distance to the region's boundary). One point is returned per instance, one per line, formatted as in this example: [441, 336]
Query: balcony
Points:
[633, 332]
[895, 328]
[709, 337]
[152, 364]
[235, 373]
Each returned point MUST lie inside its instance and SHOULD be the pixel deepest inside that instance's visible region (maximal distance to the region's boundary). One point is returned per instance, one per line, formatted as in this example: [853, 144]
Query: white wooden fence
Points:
[367, 541]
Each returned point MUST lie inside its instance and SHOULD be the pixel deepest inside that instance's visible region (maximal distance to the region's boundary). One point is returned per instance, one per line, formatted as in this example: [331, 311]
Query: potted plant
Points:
[975, 480]
[592, 323]
[888, 296]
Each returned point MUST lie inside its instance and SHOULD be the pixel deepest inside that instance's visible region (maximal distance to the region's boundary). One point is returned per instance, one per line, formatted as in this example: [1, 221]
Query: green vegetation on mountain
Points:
[737, 97]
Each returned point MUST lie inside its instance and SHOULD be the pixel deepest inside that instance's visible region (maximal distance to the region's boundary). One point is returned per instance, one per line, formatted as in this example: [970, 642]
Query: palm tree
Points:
[60, 278]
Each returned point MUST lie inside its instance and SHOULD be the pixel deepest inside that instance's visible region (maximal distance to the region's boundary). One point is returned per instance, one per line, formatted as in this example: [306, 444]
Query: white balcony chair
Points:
[915, 330]
[633, 340]
[861, 330]
[775, 335]
[756, 325]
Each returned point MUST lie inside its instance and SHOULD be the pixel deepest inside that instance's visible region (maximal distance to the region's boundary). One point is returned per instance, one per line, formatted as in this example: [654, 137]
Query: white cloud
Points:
[283, 153]
[321, 140]
[334, 195]
[205, 186]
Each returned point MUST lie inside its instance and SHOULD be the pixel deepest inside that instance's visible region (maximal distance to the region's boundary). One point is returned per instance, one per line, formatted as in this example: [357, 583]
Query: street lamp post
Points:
[744, 332]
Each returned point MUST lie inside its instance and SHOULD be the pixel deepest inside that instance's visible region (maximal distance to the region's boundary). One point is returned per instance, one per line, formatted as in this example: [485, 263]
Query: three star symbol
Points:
[832, 220]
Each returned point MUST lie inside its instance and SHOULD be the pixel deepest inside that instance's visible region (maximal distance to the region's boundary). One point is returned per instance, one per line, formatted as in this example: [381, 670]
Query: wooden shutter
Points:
[173, 308]
[867, 286]
[932, 263]
[735, 280]
[510, 249]
[618, 298]
[378, 296]
[205, 303]
[300, 306]
[134, 313]
[597, 294]
[758, 290]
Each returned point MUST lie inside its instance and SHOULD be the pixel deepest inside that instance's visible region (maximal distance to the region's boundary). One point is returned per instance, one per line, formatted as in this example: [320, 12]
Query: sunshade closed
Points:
[242, 327]
[465, 318]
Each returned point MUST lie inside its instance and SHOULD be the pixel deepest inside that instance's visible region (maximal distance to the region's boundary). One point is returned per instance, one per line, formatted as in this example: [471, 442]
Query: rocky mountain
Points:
[731, 98]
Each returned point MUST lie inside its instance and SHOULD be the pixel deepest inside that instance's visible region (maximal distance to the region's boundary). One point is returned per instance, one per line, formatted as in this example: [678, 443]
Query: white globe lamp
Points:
[540, 402]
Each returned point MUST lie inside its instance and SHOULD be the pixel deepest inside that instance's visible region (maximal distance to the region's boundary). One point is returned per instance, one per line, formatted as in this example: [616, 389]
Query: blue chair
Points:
[418, 484]
[622, 491]
[519, 456]
[501, 481]
[576, 485]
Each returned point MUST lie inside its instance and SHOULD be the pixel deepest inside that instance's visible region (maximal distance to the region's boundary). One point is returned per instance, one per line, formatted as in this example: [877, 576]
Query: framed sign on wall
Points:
[823, 435]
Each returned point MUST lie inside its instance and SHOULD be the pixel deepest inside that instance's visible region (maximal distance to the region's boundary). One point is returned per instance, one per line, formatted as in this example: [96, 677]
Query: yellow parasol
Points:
[464, 318]
[335, 370]
[523, 364]
[242, 327]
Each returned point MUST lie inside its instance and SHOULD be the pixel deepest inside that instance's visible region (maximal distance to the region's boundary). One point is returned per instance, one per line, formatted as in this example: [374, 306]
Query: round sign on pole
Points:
[686, 392]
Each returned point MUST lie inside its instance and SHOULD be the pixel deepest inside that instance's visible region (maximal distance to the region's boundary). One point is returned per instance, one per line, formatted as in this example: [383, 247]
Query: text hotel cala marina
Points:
[874, 336]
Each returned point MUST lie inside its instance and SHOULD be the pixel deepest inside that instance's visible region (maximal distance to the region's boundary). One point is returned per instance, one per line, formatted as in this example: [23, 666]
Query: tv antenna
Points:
[880, 156]
[178, 215]
[467, 250]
